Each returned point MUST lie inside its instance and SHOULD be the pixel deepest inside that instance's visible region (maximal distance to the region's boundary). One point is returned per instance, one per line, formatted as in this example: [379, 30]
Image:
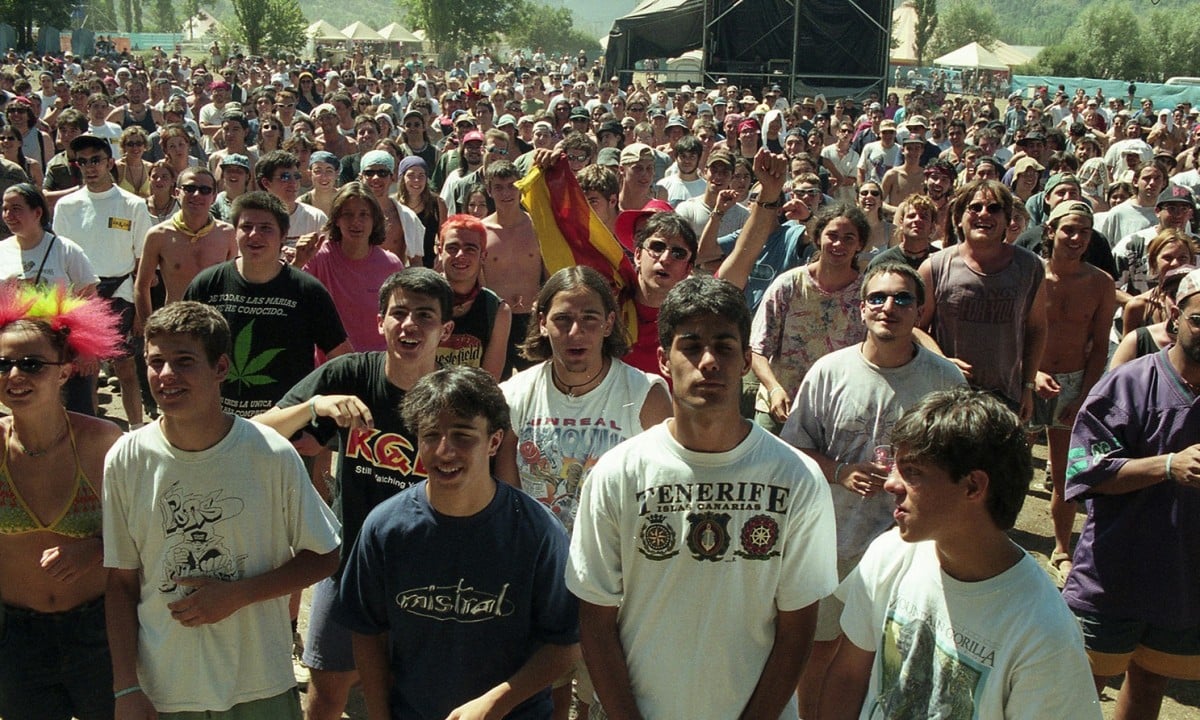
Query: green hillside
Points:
[591, 17]
[1044, 22]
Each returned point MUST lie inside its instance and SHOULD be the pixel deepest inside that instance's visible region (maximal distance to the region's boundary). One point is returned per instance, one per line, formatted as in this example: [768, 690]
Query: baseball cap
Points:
[887, 126]
[610, 126]
[1027, 163]
[917, 121]
[472, 137]
[1176, 194]
[609, 157]
[1189, 286]
[1059, 179]
[627, 221]
[634, 152]
[1071, 207]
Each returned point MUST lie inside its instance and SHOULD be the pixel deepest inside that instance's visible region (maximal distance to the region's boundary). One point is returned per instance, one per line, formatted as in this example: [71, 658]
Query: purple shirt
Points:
[1138, 556]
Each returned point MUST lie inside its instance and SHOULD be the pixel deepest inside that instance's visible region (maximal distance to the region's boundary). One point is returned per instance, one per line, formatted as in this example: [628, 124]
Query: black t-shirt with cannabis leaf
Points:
[275, 327]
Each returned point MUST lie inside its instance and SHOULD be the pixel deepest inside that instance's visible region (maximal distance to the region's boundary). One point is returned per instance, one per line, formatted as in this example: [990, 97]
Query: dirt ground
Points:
[1033, 532]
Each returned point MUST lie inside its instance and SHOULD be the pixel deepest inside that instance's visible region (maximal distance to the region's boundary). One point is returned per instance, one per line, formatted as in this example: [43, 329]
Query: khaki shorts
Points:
[281, 707]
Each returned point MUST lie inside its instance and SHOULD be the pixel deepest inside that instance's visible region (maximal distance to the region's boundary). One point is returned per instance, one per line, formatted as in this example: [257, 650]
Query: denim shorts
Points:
[329, 645]
[54, 666]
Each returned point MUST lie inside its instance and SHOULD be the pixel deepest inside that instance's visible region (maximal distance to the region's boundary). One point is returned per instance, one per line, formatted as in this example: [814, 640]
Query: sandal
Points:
[1060, 562]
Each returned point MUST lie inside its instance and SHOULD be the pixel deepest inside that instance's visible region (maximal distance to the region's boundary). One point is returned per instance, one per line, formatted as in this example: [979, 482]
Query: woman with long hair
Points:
[54, 661]
[808, 312]
[161, 202]
[416, 194]
[10, 147]
[348, 260]
[133, 172]
[870, 201]
[270, 136]
[33, 253]
[1168, 251]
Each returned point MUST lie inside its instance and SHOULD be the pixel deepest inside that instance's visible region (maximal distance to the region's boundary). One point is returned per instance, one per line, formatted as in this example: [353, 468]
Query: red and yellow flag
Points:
[570, 233]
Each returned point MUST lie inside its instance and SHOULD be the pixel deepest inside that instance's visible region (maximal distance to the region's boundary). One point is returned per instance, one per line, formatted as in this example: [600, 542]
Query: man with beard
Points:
[1135, 462]
[940, 175]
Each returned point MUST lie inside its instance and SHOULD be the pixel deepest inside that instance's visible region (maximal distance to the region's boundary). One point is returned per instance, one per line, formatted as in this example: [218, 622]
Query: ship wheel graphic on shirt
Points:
[657, 538]
[758, 538]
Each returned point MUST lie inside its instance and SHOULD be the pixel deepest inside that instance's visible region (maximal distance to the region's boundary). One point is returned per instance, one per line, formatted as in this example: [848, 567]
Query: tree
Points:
[552, 29]
[270, 25]
[926, 25]
[24, 15]
[962, 23]
[1107, 42]
[454, 26]
[1176, 41]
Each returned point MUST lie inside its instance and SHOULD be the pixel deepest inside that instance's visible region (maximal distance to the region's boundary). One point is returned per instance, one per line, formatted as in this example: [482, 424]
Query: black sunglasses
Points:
[902, 299]
[193, 189]
[27, 365]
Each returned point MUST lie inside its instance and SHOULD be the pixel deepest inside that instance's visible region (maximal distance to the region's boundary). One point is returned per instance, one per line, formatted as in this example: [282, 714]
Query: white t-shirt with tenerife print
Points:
[701, 552]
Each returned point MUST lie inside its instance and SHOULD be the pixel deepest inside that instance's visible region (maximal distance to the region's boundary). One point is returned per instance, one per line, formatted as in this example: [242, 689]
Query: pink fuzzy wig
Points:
[88, 325]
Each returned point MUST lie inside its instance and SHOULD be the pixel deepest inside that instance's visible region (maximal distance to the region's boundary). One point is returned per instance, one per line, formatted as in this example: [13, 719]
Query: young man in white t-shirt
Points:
[705, 535]
[945, 615]
[210, 522]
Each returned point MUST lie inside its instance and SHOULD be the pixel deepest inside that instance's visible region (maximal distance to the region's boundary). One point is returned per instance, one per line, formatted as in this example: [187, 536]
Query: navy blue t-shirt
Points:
[466, 601]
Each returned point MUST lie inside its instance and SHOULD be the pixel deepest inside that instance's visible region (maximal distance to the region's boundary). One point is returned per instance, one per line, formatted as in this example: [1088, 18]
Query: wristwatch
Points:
[773, 205]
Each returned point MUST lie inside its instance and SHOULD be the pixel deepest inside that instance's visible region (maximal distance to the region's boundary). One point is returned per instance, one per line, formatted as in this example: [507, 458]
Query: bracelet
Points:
[118, 694]
[718, 213]
[838, 471]
[771, 393]
[1030, 386]
[312, 410]
[1169, 456]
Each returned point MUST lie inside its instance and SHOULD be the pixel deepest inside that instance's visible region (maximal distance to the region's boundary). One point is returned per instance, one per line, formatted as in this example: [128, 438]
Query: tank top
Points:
[1144, 342]
[981, 318]
[146, 123]
[81, 518]
[430, 219]
[472, 333]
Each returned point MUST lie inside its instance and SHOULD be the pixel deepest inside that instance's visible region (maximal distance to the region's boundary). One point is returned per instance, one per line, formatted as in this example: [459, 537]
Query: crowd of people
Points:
[754, 450]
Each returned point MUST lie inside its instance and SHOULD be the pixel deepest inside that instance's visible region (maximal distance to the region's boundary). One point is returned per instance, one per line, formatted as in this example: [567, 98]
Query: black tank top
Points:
[472, 332]
[146, 123]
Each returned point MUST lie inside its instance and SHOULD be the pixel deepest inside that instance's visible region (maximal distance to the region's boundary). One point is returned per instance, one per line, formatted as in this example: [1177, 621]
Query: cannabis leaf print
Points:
[245, 369]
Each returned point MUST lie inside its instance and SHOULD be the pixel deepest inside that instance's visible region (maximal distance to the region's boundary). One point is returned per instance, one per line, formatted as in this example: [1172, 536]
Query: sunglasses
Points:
[978, 208]
[27, 365]
[196, 190]
[901, 299]
[289, 176]
[376, 173]
[657, 247]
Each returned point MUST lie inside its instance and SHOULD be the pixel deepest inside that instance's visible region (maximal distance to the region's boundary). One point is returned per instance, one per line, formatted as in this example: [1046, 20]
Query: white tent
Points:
[359, 31]
[904, 31]
[1010, 54]
[322, 30]
[973, 55]
[398, 33]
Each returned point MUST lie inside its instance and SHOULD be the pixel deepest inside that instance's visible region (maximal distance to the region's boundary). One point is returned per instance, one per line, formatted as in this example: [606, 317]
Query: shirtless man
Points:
[513, 266]
[405, 233]
[184, 245]
[906, 179]
[1080, 300]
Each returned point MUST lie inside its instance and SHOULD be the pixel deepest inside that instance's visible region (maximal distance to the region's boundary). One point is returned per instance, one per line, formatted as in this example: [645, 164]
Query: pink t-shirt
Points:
[354, 285]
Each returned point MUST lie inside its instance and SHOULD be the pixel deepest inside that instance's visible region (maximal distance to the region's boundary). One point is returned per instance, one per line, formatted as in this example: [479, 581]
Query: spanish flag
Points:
[570, 233]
